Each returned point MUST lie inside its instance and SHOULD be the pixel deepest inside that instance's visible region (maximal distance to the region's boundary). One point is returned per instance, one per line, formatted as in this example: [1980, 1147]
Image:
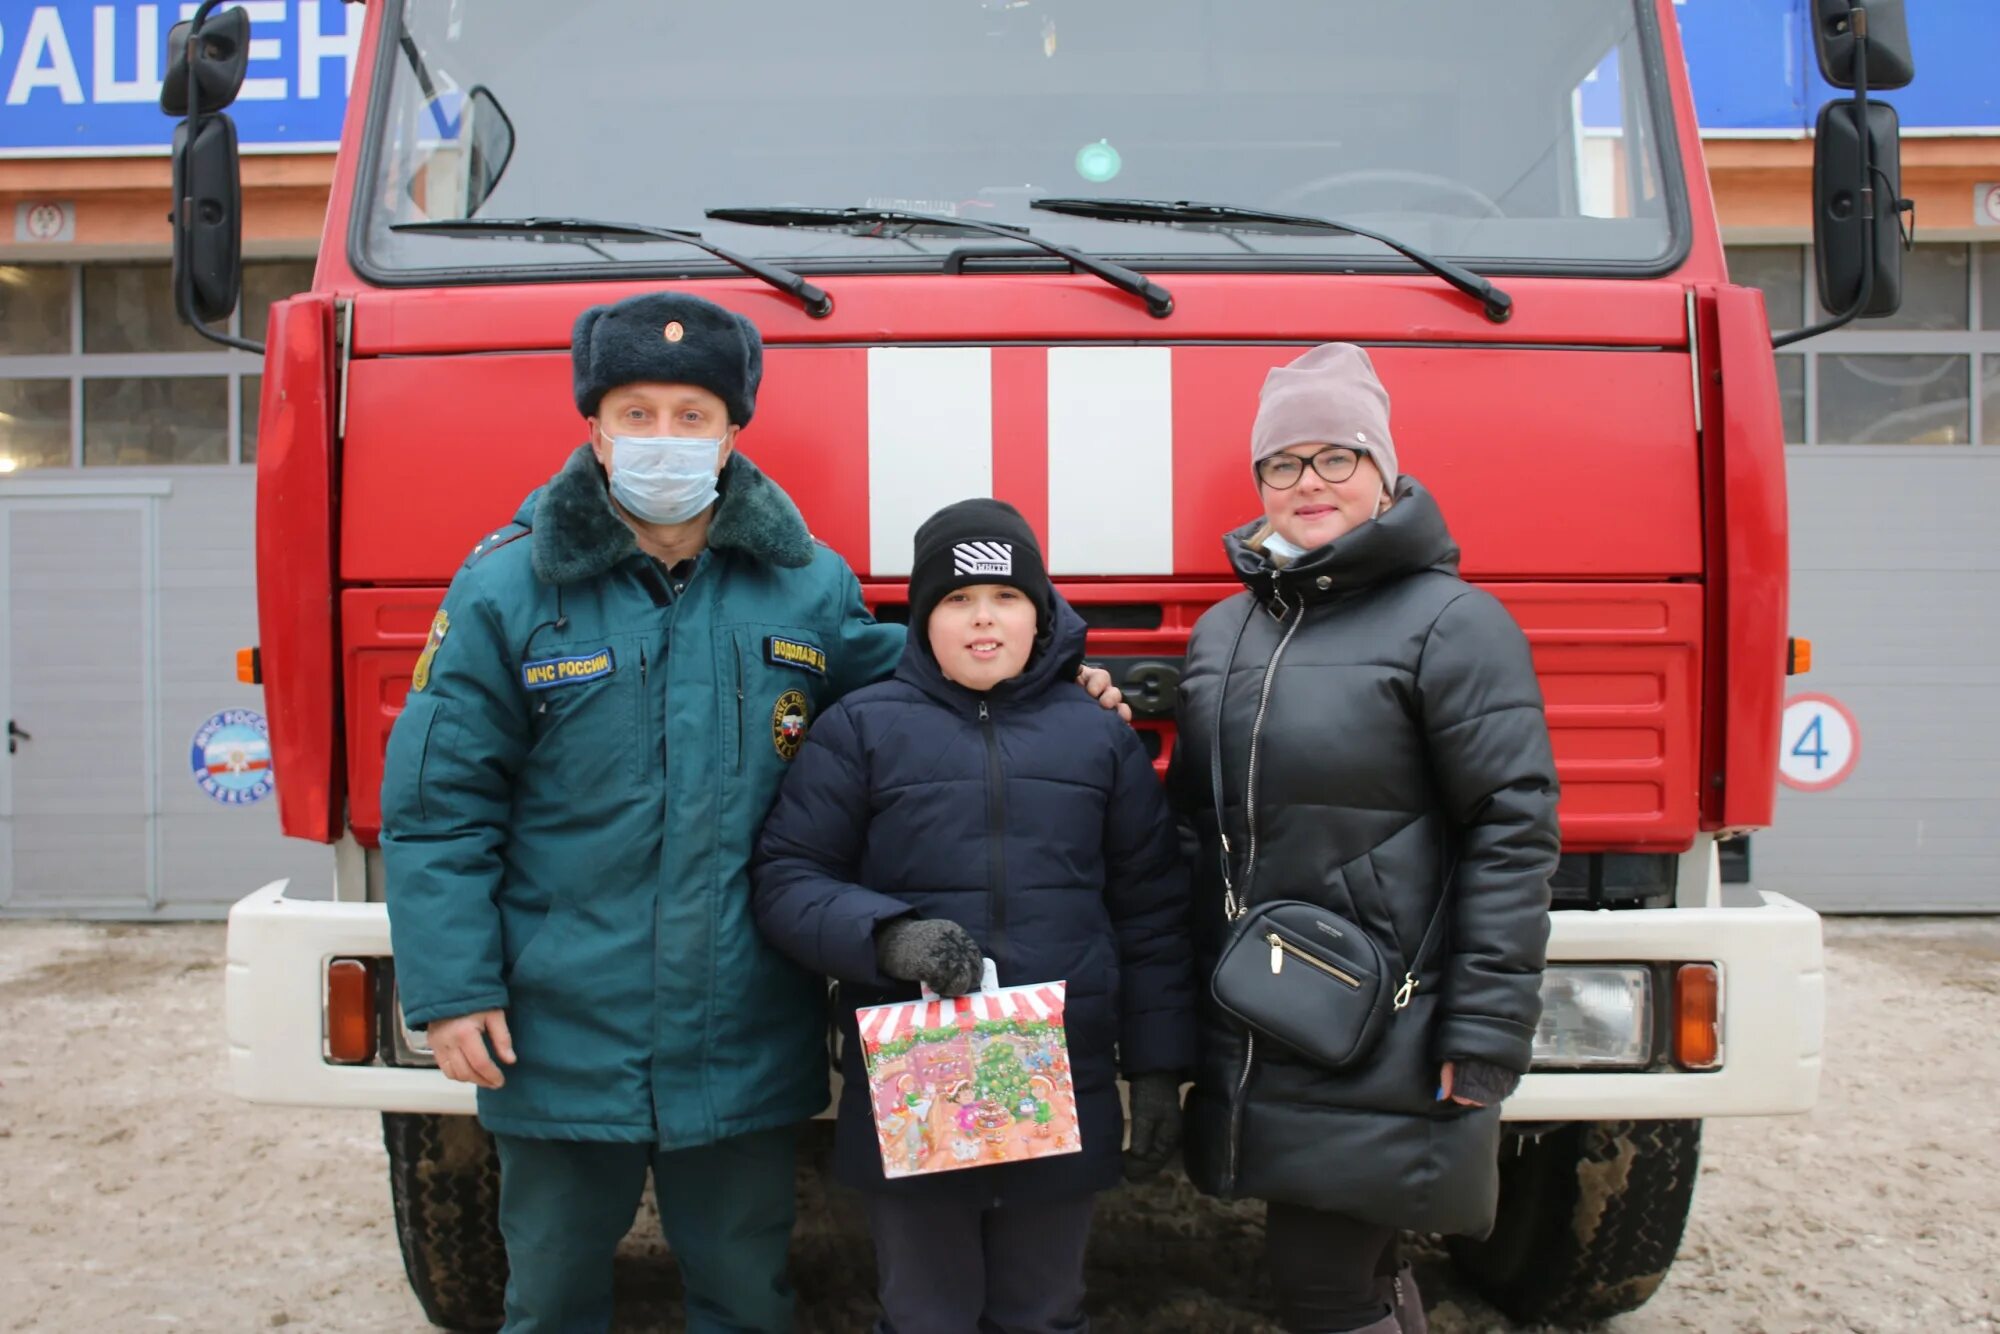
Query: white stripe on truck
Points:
[1111, 460]
[930, 441]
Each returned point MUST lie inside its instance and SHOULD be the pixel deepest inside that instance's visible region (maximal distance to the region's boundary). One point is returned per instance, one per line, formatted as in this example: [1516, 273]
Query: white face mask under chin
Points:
[1276, 544]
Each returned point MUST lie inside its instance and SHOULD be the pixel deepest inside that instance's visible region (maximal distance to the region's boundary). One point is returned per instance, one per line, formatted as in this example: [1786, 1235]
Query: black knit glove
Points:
[1156, 1124]
[937, 953]
[1482, 1082]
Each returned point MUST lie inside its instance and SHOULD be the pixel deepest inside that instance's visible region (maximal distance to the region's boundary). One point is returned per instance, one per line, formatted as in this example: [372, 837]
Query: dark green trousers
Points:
[726, 1209]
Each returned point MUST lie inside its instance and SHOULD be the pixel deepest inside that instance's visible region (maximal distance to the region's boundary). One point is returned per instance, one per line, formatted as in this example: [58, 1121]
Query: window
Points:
[34, 424]
[150, 422]
[1990, 399]
[264, 284]
[34, 309]
[130, 308]
[96, 369]
[1779, 273]
[1875, 399]
[251, 389]
[1792, 396]
[1989, 286]
[1936, 294]
[1927, 375]
[1533, 139]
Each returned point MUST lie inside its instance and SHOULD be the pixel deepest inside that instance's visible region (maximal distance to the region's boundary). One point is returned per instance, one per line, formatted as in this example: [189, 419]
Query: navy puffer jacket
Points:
[1030, 816]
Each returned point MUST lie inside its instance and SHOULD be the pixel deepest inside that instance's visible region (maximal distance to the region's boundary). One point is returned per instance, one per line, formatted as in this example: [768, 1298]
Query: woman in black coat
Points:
[1383, 745]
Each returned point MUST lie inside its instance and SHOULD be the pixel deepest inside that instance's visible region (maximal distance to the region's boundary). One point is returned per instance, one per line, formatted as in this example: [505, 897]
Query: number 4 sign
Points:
[1819, 745]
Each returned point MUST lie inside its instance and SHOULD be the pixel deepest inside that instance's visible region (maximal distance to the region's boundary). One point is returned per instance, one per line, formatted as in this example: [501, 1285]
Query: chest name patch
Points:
[795, 653]
[551, 672]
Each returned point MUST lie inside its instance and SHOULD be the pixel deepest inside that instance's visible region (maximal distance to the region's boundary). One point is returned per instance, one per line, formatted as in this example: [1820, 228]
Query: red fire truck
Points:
[965, 229]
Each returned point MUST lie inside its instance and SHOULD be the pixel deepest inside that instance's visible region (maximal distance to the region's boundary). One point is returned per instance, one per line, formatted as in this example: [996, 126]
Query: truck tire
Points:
[1590, 1217]
[444, 1177]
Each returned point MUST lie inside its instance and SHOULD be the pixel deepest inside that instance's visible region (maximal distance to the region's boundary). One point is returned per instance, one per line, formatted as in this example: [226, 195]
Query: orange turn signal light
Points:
[250, 666]
[1697, 1016]
[350, 1012]
[1798, 657]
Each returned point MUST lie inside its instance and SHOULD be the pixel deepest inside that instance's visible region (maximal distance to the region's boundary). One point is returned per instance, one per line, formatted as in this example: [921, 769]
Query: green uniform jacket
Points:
[571, 797]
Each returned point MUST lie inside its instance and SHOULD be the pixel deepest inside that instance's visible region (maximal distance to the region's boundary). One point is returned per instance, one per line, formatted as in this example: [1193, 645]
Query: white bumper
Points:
[278, 948]
[1773, 1013]
[1773, 1010]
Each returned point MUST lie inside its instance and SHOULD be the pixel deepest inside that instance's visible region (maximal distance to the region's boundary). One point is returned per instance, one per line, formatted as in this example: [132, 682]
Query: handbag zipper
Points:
[1250, 873]
[1280, 947]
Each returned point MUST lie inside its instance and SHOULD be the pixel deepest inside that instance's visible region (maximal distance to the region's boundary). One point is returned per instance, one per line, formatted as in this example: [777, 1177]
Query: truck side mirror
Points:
[488, 136]
[221, 58]
[1857, 164]
[1836, 34]
[212, 53]
[1843, 249]
[207, 218]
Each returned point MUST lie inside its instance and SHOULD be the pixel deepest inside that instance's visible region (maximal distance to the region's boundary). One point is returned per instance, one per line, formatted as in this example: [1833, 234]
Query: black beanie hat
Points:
[976, 542]
[667, 338]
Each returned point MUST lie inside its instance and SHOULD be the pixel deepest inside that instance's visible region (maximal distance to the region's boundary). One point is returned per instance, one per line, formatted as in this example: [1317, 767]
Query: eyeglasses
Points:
[1281, 472]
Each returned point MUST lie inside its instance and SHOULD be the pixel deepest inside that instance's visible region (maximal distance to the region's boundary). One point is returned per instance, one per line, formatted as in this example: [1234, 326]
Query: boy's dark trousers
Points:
[951, 1268]
[726, 1209]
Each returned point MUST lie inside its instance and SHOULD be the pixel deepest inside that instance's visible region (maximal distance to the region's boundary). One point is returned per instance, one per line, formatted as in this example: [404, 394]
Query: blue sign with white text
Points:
[1754, 69]
[79, 78]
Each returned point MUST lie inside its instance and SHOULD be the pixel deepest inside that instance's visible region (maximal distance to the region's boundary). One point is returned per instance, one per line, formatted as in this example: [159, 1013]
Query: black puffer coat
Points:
[1401, 734]
[1031, 817]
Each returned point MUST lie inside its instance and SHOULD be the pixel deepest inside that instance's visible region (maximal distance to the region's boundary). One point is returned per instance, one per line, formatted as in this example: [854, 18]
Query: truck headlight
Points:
[1595, 1018]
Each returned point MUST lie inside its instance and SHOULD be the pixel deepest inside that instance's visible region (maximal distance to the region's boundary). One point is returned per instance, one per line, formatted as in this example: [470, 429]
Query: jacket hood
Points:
[578, 535]
[1410, 538]
[1057, 656]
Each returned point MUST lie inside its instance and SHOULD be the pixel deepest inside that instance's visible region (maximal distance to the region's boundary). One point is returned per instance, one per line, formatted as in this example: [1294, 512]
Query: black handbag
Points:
[1294, 972]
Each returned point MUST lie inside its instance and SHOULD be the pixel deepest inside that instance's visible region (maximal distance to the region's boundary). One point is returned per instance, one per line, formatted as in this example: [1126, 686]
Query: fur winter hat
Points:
[667, 338]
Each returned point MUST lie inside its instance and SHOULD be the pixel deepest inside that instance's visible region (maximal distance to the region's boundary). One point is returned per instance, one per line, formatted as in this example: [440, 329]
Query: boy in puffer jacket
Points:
[974, 806]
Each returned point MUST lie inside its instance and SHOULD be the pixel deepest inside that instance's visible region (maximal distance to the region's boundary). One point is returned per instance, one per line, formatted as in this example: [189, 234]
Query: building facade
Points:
[135, 784]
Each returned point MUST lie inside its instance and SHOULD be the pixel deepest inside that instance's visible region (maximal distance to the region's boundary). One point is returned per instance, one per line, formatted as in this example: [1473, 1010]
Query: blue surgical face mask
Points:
[1278, 546]
[664, 478]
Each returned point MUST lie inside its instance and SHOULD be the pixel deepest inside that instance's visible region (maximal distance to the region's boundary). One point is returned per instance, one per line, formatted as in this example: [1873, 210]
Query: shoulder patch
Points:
[420, 675]
[496, 539]
[783, 652]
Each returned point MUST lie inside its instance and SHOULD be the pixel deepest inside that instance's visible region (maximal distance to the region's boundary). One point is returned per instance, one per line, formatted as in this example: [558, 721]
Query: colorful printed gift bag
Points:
[970, 1081]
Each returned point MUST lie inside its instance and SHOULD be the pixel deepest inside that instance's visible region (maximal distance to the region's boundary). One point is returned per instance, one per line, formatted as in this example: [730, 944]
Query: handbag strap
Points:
[1230, 907]
[1234, 908]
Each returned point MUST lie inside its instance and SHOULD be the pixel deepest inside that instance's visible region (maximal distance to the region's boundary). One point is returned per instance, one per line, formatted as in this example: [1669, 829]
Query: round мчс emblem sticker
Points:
[231, 757]
[788, 723]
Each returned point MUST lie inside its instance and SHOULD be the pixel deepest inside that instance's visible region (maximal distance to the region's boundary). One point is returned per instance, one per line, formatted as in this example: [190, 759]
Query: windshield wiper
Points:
[587, 232]
[871, 222]
[1497, 305]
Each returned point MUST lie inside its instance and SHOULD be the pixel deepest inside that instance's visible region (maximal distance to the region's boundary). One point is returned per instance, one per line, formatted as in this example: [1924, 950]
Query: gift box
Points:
[970, 1081]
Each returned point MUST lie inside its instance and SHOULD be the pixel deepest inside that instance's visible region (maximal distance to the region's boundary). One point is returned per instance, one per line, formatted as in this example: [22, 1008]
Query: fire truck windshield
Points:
[1529, 136]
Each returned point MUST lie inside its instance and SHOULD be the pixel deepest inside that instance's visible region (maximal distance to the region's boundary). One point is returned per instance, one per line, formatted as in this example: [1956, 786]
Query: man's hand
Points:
[1097, 684]
[460, 1047]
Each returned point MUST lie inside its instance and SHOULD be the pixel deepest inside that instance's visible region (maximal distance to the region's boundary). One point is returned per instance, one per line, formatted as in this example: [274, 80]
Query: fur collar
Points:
[578, 535]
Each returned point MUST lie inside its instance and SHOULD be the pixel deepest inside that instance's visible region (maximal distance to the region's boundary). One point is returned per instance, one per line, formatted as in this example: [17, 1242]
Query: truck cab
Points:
[1047, 252]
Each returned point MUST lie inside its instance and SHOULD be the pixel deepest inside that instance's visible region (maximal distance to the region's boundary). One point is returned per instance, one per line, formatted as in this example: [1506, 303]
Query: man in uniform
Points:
[595, 731]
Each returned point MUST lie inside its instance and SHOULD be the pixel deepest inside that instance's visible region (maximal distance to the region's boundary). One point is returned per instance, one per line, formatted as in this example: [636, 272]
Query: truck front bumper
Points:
[1769, 955]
